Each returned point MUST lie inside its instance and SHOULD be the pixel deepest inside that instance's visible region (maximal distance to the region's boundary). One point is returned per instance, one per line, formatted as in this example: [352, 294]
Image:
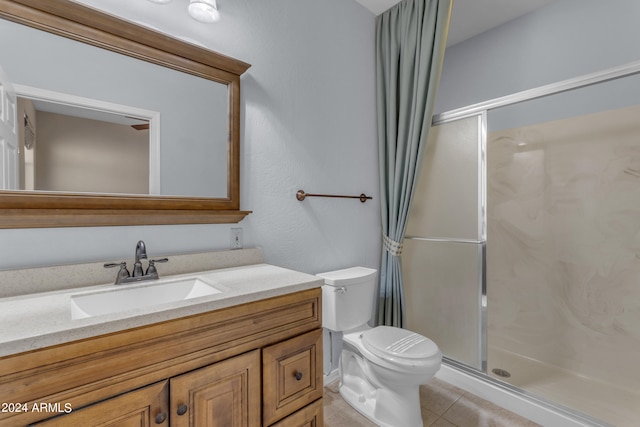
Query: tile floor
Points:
[443, 405]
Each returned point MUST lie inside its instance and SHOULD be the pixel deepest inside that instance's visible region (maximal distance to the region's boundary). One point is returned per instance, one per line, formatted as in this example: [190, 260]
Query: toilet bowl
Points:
[380, 368]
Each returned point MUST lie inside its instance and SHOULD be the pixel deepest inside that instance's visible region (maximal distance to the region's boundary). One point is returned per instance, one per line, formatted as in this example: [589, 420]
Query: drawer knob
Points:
[298, 375]
[182, 409]
[161, 417]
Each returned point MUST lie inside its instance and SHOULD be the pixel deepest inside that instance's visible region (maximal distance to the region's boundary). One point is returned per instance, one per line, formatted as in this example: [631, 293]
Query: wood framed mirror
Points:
[27, 209]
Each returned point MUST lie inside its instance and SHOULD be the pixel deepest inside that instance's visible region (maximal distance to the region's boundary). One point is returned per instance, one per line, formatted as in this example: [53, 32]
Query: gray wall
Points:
[308, 122]
[562, 40]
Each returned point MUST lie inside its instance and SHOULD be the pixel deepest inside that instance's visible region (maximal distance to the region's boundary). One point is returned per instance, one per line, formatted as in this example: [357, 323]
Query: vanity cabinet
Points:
[258, 363]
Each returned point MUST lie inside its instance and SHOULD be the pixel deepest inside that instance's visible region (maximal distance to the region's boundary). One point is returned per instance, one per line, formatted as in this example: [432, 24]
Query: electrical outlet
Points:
[236, 238]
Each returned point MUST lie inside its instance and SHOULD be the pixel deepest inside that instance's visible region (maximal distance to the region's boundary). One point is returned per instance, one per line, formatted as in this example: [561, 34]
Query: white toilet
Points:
[381, 368]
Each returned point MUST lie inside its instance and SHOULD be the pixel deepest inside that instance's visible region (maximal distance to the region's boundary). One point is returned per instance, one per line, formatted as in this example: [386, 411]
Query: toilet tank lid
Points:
[347, 276]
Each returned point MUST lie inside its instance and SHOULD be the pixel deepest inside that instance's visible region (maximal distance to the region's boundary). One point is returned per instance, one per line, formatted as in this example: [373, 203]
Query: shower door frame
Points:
[540, 92]
[481, 109]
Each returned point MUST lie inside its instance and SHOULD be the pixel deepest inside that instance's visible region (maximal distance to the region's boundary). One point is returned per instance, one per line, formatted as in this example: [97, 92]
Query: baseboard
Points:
[331, 377]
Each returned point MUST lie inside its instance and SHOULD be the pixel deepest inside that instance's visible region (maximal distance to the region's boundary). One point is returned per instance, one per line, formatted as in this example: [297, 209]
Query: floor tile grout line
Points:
[441, 415]
[449, 407]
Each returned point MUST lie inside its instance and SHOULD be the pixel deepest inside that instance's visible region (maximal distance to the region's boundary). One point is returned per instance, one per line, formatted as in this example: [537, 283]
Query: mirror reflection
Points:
[64, 148]
[193, 124]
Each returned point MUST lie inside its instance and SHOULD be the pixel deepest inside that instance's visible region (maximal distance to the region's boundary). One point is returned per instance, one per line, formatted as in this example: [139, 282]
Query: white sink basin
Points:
[130, 297]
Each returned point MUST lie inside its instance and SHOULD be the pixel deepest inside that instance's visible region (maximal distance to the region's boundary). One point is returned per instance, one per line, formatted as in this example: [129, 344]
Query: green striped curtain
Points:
[410, 44]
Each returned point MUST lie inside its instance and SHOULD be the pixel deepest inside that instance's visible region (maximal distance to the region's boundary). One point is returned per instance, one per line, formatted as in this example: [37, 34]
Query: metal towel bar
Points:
[301, 195]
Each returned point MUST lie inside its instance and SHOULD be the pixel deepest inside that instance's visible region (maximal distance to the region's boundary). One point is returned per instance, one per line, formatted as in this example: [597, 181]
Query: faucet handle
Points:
[151, 270]
[123, 273]
[122, 264]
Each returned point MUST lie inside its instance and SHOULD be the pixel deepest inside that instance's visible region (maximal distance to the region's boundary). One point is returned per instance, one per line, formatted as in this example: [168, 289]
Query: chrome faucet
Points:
[138, 274]
[141, 253]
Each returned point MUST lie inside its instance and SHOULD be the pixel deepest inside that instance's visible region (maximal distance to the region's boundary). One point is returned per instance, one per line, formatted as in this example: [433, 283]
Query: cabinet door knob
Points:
[182, 409]
[161, 417]
[298, 375]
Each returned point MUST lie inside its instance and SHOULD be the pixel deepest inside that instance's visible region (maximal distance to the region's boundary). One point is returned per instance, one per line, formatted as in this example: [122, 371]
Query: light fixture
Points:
[200, 10]
[204, 10]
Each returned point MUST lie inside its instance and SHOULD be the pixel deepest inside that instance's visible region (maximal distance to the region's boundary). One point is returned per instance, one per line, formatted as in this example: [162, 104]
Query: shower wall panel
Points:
[563, 251]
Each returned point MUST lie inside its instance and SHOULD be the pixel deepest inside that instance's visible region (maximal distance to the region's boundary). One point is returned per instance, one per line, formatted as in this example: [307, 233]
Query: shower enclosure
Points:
[522, 255]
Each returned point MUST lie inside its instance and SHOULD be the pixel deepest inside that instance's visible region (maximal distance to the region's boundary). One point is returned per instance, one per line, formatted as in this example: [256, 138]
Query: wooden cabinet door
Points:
[145, 407]
[292, 375]
[225, 394]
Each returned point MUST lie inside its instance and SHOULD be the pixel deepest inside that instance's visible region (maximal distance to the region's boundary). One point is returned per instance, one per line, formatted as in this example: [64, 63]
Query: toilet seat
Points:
[401, 347]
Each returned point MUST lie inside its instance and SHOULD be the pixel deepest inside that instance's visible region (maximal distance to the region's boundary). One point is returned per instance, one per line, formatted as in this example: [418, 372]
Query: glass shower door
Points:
[444, 247]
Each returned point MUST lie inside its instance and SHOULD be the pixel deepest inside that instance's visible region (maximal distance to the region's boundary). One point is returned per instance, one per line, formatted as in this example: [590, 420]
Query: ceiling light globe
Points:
[204, 10]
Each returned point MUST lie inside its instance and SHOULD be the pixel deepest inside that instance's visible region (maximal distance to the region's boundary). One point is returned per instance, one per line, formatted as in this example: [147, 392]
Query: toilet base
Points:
[398, 407]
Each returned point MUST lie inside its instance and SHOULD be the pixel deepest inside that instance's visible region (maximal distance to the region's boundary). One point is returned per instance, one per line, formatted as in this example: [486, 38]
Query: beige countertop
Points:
[40, 320]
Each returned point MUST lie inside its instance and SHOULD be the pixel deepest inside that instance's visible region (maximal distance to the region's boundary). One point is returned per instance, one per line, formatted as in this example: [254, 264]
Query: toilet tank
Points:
[348, 297]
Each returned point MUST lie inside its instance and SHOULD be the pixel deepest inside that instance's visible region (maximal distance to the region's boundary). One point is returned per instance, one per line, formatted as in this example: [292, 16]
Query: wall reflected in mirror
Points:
[70, 149]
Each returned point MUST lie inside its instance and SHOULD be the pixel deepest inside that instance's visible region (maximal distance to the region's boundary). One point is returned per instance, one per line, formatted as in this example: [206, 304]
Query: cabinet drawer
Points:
[309, 416]
[292, 377]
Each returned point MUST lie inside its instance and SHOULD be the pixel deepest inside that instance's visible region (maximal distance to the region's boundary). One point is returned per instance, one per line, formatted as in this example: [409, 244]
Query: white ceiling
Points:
[472, 17]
